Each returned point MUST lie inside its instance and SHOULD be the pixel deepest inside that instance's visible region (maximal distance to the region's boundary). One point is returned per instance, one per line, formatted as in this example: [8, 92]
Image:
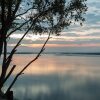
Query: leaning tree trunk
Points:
[1, 45]
[8, 96]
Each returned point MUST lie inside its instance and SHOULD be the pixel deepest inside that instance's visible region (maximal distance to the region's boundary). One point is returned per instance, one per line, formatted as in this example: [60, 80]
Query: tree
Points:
[38, 16]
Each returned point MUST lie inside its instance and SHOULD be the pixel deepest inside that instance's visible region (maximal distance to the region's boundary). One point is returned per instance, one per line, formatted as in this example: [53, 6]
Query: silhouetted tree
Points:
[38, 16]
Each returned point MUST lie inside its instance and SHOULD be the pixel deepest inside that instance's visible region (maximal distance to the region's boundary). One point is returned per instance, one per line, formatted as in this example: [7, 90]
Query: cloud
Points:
[60, 45]
[94, 10]
[75, 36]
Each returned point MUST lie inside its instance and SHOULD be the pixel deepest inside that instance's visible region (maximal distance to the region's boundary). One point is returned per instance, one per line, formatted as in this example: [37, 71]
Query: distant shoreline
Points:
[57, 53]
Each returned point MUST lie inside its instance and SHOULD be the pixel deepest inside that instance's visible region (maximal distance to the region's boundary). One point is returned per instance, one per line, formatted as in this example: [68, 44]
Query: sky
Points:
[77, 38]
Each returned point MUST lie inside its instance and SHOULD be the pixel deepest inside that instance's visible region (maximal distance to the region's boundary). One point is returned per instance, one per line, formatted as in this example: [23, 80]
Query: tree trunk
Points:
[2, 96]
[7, 96]
[1, 45]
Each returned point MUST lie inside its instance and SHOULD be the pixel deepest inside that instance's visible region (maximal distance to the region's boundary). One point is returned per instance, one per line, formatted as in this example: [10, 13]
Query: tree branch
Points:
[23, 12]
[9, 58]
[3, 72]
[34, 20]
[4, 58]
[16, 77]
[17, 6]
[17, 28]
[14, 49]
[9, 74]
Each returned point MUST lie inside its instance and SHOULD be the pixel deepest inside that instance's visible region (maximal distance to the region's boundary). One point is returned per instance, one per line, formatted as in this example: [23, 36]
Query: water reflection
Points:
[58, 78]
[55, 87]
[50, 64]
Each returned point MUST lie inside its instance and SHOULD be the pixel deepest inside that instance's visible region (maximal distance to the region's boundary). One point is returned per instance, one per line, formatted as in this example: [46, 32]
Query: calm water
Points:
[58, 77]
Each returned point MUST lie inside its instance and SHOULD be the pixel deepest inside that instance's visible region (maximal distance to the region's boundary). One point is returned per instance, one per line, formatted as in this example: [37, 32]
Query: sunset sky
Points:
[77, 38]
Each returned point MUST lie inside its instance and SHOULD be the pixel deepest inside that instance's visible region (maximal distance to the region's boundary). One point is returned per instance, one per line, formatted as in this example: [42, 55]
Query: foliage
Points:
[38, 16]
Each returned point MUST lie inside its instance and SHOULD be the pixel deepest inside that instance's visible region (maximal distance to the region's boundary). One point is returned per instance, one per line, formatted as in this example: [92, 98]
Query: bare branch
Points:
[42, 49]
[4, 59]
[17, 6]
[9, 74]
[17, 28]
[34, 20]
[9, 58]
[3, 72]
[23, 12]
[5, 51]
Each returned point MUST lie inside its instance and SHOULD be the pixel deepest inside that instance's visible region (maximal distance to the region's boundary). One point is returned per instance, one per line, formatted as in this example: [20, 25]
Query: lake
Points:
[57, 77]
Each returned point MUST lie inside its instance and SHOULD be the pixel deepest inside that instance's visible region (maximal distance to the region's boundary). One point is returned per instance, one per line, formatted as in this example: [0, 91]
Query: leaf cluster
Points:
[49, 15]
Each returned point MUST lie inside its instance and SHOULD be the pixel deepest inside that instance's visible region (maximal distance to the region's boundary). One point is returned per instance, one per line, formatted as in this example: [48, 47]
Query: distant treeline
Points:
[59, 53]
